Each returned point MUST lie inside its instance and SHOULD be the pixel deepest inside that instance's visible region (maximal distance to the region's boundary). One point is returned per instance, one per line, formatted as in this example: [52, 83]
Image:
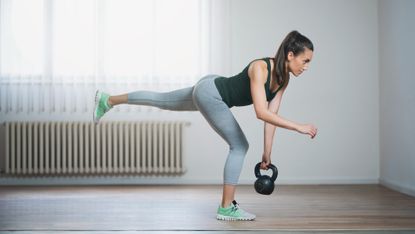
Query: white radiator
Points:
[83, 148]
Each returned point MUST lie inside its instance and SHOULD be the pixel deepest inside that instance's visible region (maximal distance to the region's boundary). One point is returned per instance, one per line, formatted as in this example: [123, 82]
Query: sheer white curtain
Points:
[55, 53]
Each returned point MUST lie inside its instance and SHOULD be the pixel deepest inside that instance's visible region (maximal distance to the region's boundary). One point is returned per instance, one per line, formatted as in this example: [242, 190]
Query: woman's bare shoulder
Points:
[258, 70]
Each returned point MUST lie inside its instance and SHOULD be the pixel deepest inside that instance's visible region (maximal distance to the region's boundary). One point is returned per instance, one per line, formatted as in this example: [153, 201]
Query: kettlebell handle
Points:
[270, 166]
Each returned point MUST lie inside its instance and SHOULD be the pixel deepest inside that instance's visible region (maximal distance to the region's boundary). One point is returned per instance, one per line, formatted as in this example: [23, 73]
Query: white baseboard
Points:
[131, 180]
[328, 181]
[398, 187]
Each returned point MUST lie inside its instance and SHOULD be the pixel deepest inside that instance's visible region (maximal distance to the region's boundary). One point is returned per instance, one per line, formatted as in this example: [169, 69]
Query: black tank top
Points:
[236, 90]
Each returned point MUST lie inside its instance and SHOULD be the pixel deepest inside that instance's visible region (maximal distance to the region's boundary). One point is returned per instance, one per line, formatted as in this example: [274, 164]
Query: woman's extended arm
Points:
[257, 74]
[269, 129]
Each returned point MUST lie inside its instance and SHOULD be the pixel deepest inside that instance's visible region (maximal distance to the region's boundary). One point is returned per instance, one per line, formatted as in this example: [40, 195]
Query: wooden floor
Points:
[357, 208]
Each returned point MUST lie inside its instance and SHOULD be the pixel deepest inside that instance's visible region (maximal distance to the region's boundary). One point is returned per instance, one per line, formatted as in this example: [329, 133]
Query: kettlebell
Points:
[265, 184]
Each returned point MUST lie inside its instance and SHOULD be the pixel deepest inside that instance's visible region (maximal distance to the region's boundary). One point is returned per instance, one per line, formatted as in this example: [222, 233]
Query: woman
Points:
[262, 83]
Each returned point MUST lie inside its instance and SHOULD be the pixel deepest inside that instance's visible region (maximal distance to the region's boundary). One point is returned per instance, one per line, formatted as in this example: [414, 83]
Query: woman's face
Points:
[297, 64]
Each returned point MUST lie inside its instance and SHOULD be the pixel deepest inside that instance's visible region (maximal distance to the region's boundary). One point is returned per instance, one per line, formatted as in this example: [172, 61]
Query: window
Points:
[100, 43]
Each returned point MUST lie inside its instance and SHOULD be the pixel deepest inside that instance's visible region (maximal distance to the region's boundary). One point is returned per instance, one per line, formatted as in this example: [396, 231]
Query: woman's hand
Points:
[266, 160]
[307, 129]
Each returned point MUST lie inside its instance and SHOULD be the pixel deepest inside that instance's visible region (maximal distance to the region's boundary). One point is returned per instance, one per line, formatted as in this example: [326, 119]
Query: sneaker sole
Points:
[94, 118]
[228, 218]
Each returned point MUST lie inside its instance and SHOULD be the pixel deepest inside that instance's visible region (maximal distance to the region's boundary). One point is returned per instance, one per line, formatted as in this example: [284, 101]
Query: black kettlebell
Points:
[265, 184]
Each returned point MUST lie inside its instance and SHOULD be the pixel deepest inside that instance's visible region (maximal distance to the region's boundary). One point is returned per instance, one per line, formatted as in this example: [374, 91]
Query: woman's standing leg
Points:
[217, 113]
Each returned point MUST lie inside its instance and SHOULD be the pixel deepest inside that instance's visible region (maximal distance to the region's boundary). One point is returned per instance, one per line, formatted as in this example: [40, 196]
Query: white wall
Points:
[397, 96]
[339, 94]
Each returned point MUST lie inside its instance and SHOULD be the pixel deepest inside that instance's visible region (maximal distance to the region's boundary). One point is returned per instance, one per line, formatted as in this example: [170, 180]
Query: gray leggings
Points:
[204, 97]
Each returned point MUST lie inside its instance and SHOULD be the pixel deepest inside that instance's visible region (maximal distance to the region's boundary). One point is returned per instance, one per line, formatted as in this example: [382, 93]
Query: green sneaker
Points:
[233, 212]
[101, 105]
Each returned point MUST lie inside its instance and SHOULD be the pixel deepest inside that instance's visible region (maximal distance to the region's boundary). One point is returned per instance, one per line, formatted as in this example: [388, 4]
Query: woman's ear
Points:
[290, 56]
